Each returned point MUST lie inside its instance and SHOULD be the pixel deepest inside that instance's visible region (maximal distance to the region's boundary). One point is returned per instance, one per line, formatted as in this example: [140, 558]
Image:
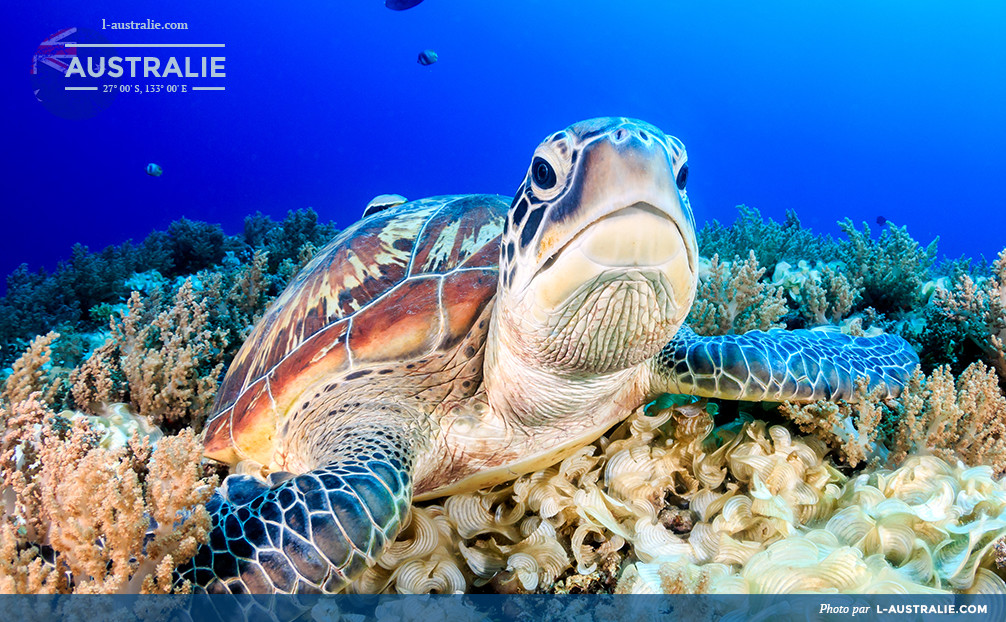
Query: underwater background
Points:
[829, 146]
[854, 109]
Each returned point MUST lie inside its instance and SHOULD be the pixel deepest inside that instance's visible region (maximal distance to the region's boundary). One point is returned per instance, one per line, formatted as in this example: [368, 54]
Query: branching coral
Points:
[850, 428]
[978, 308]
[80, 294]
[170, 359]
[287, 242]
[892, 269]
[773, 242]
[963, 420]
[731, 298]
[172, 363]
[28, 374]
[236, 299]
[194, 245]
[118, 520]
[823, 294]
[166, 357]
[99, 379]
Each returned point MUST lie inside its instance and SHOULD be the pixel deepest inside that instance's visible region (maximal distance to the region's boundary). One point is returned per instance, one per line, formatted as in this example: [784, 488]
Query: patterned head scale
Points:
[574, 172]
[603, 204]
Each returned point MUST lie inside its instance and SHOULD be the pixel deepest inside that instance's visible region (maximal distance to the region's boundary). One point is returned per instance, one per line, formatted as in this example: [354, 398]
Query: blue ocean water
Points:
[855, 109]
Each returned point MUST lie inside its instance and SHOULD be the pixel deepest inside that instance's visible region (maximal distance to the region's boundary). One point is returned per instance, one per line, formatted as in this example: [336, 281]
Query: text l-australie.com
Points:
[148, 24]
[149, 66]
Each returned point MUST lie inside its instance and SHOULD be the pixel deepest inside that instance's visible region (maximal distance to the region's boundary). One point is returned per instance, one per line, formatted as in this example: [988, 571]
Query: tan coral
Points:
[98, 380]
[852, 427]
[830, 298]
[119, 520]
[733, 299]
[171, 360]
[28, 372]
[956, 420]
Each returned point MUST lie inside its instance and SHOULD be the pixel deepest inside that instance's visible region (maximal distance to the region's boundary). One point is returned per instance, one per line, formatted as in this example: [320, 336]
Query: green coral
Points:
[968, 321]
[892, 268]
[83, 292]
[771, 241]
[195, 245]
[287, 242]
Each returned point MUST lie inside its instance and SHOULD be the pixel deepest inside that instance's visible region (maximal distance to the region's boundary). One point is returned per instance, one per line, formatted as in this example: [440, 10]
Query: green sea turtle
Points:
[454, 342]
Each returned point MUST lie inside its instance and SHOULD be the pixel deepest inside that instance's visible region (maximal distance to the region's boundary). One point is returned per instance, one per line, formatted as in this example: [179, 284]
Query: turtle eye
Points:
[542, 173]
[682, 177]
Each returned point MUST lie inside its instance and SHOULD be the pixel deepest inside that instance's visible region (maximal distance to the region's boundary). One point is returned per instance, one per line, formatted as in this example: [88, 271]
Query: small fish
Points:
[427, 57]
[154, 170]
[401, 5]
[881, 221]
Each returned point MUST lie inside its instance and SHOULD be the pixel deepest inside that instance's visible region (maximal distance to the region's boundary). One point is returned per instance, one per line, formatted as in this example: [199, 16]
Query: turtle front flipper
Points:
[307, 533]
[779, 365]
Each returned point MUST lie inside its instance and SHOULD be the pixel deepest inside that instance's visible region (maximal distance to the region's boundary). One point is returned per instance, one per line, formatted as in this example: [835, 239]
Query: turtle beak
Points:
[639, 235]
[626, 215]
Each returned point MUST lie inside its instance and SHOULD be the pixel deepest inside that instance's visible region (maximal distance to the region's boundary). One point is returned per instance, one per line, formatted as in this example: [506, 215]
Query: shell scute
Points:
[456, 233]
[403, 324]
[253, 422]
[326, 349]
[470, 291]
[218, 437]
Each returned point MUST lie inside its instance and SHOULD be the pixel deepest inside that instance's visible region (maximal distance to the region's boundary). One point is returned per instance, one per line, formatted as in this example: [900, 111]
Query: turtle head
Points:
[598, 264]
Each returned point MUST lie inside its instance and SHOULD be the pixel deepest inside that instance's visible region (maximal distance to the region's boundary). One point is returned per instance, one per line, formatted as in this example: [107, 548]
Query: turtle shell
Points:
[401, 284]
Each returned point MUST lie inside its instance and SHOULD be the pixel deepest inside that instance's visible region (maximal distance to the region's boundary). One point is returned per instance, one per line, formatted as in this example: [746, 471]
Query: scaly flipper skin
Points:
[804, 365]
[307, 533]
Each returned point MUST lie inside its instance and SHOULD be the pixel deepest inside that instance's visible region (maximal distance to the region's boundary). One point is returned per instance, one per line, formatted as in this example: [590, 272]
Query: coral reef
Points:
[115, 358]
[100, 499]
[963, 420]
[85, 518]
[891, 269]
[28, 374]
[886, 279]
[822, 294]
[972, 314]
[77, 297]
[290, 243]
[771, 241]
[170, 361]
[194, 246]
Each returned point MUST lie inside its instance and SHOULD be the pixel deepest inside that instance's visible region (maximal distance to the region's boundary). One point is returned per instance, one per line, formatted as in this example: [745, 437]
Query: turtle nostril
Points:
[619, 133]
[644, 136]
